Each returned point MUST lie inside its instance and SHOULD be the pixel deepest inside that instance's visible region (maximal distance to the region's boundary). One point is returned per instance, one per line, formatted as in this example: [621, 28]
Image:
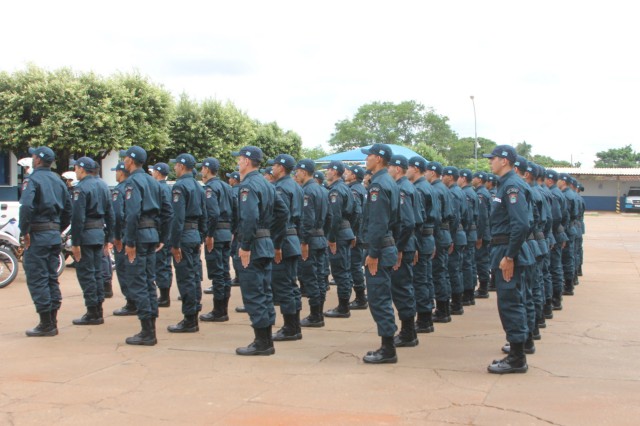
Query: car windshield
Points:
[634, 193]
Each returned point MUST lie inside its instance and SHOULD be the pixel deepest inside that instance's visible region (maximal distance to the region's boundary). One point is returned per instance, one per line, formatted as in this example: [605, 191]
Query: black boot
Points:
[407, 336]
[468, 298]
[442, 312]
[100, 311]
[288, 331]
[164, 301]
[298, 328]
[92, 317]
[54, 317]
[556, 301]
[540, 322]
[456, 304]
[579, 272]
[547, 309]
[188, 325]
[529, 346]
[315, 318]
[568, 287]
[225, 302]
[492, 283]
[235, 282]
[385, 355]
[128, 309]
[147, 336]
[483, 290]
[261, 345]
[424, 323]
[515, 362]
[536, 333]
[341, 311]
[46, 327]
[218, 314]
[360, 302]
[108, 290]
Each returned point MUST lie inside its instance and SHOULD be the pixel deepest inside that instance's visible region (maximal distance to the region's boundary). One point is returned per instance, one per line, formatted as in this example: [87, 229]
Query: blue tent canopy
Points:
[357, 155]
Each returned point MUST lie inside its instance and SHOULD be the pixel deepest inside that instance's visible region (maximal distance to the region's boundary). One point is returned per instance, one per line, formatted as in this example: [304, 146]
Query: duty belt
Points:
[539, 235]
[317, 233]
[45, 226]
[223, 225]
[427, 231]
[292, 231]
[500, 240]
[345, 224]
[444, 226]
[190, 225]
[386, 242]
[263, 233]
[146, 222]
[94, 224]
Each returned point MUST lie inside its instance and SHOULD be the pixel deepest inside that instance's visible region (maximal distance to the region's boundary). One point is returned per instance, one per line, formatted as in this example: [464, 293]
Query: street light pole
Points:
[475, 129]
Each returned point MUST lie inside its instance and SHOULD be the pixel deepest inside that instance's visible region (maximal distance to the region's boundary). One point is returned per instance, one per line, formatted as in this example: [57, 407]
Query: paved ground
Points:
[586, 369]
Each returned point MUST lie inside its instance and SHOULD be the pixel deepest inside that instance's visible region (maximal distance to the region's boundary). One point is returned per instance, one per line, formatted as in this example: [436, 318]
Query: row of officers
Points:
[400, 232]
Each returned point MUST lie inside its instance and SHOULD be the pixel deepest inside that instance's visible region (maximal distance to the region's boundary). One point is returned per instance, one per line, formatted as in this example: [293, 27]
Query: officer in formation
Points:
[164, 273]
[353, 177]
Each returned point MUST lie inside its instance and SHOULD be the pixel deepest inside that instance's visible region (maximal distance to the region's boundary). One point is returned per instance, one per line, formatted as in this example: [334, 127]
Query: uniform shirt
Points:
[484, 211]
[473, 211]
[165, 192]
[443, 196]
[107, 196]
[90, 203]
[381, 213]
[559, 213]
[581, 209]
[117, 204]
[44, 199]
[143, 201]
[541, 222]
[187, 199]
[510, 217]
[430, 204]
[360, 197]
[315, 215]
[219, 202]
[460, 221]
[260, 208]
[343, 209]
[573, 209]
[410, 215]
[292, 196]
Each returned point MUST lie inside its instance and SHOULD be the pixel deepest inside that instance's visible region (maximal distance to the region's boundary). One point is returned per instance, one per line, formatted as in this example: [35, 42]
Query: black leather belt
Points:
[317, 233]
[223, 225]
[292, 231]
[263, 233]
[45, 226]
[345, 224]
[94, 224]
[500, 240]
[146, 223]
[444, 226]
[427, 231]
[190, 225]
[386, 242]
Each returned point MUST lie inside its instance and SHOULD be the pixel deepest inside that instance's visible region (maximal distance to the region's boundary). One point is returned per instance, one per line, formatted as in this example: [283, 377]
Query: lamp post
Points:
[475, 129]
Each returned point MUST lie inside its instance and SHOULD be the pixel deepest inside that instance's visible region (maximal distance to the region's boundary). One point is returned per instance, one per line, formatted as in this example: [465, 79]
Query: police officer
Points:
[234, 181]
[450, 176]
[344, 215]
[353, 177]
[284, 273]
[560, 217]
[491, 187]
[547, 308]
[117, 202]
[187, 228]
[45, 209]
[422, 269]
[509, 230]
[325, 271]
[572, 229]
[164, 271]
[219, 201]
[411, 218]
[91, 227]
[147, 216]
[106, 266]
[262, 224]
[483, 234]
[381, 218]
[444, 243]
[578, 188]
[471, 231]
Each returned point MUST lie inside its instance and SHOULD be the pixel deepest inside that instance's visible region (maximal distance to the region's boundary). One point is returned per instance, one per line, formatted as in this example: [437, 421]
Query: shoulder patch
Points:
[25, 183]
[128, 190]
[333, 197]
[306, 201]
[176, 193]
[244, 194]
[403, 195]
[76, 194]
[374, 190]
[114, 195]
[209, 192]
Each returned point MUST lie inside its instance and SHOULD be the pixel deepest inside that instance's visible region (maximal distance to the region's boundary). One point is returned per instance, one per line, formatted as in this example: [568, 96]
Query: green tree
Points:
[313, 153]
[545, 161]
[618, 157]
[524, 149]
[273, 141]
[462, 155]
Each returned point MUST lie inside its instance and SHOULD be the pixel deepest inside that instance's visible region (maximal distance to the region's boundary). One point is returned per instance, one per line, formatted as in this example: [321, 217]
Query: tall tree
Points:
[313, 153]
[618, 157]
[524, 149]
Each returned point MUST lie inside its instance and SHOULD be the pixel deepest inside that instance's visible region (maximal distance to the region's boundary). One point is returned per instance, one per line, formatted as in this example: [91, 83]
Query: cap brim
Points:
[488, 155]
[235, 153]
[123, 153]
[365, 151]
[172, 161]
[271, 162]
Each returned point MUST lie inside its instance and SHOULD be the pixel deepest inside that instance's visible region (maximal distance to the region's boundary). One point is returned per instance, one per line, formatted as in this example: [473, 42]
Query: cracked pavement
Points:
[586, 369]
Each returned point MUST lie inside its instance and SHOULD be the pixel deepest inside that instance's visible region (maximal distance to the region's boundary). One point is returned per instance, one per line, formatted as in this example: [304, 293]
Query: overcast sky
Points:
[561, 75]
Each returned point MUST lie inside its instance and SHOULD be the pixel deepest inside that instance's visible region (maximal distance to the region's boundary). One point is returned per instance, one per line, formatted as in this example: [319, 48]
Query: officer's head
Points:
[353, 173]
[416, 167]
[267, 172]
[434, 171]
[334, 171]
[183, 164]
[531, 174]
[367, 178]
[564, 180]
[479, 178]
[83, 166]
[378, 156]
[249, 158]
[398, 165]
[574, 184]
[550, 177]
[491, 180]
[42, 156]
[501, 159]
[520, 165]
[121, 171]
[465, 177]
[304, 170]
[282, 165]
[234, 178]
[210, 167]
[159, 171]
[134, 157]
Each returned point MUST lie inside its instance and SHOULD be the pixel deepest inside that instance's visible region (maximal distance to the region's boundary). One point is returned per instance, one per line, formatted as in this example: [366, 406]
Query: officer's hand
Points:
[506, 266]
[564, 244]
[397, 265]
[131, 253]
[209, 243]
[333, 247]
[77, 254]
[433, 255]
[118, 245]
[353, 242]
[372, 264]
[451, 248]
[160, 247]
[478, 244]
[304, 248]
[27, 241]
[245, 257]
[177, 254]
[416, 257]
[278, 255]
[106, 250]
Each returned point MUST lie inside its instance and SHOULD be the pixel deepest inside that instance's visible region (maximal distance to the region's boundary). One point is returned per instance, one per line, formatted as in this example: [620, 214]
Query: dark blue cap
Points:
[284, 160]
[504, 151]
[336, 165]
[136, 153]
[418, 162]
[574, 182]
[45, 153]
[357, 171]
[532, 168]
[551, 174]
[319, 176]
[162, 168]
[435, 166]
[491, 178]
[380, 150]
[521, 163]
[234, 175]
[85, 162]
[211, 163]
[399, 160]
[580, 187]
[119, 166]
[541, 171]
[307, 165]
[251, 152]
[481, 175]
[565, 177]
[267, 171]
[466, 173]
[186, 160]
[451, 171]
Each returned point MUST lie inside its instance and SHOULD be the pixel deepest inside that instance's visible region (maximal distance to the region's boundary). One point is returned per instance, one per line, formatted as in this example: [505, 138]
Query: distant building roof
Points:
[592, 171]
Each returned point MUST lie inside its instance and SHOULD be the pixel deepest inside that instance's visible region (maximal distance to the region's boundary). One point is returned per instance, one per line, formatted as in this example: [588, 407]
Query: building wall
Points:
[601, 192]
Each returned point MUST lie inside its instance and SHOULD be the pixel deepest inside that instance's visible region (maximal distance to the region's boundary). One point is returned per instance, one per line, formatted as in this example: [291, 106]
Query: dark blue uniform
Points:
[560, 219]
[357, 252]
[458, 226]
[484, 234]
[164, 271]
[572, 230]
[551, 242]
[471, 231]
[117, 203]
[443, 239]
